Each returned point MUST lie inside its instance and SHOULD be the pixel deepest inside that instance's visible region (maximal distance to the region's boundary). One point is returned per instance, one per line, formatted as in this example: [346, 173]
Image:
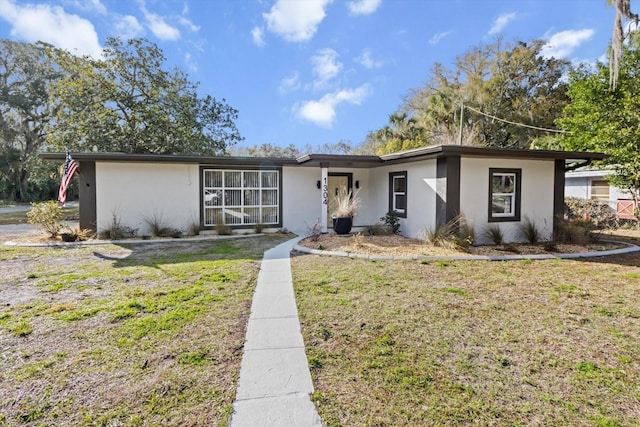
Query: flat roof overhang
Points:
[170, 158]
[572, 159]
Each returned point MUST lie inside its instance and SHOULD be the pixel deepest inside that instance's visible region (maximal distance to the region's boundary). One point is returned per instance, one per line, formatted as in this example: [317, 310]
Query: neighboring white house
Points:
[425, 186]
[590, 183]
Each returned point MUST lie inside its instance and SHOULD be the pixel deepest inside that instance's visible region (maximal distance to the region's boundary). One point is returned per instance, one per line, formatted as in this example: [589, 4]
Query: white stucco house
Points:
[425, 186]
[591, 183]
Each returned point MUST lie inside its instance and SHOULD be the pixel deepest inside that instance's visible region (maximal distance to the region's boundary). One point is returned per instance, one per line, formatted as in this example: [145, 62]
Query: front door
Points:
[337, 182]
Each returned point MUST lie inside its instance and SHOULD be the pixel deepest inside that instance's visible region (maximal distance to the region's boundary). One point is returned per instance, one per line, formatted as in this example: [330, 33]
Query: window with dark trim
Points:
[504, 194]
[398, 193]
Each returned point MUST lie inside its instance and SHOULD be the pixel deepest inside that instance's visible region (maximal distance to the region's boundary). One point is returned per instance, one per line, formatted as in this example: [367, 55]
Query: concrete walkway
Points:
[275, 381]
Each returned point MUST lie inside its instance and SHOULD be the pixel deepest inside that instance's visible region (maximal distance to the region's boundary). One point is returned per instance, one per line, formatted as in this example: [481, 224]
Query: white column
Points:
[324, 194]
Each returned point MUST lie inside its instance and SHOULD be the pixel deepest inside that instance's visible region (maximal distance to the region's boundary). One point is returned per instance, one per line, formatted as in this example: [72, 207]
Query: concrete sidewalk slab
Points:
[275, 382]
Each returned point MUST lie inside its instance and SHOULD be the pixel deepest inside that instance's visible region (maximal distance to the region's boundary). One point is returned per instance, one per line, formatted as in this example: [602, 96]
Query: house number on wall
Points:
[325, 192]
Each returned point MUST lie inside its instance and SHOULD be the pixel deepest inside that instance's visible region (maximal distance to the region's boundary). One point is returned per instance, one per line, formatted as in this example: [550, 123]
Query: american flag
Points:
[70, 169]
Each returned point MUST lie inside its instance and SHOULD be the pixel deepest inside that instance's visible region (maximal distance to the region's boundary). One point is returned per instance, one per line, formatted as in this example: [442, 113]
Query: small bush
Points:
[315, 230]
[47, 216]
[597, 212]
[456, 234]
[116, 230]
[79, 234]
[193, 225]
[494, 233]
[576, 231]
[223, 229]
[392, 220]
[530, 231]
[379, 229]
[550, 246]
[258, 228]
[158, 226]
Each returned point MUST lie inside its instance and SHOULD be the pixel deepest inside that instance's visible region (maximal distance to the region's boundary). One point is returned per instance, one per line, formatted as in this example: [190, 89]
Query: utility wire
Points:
[513, 123]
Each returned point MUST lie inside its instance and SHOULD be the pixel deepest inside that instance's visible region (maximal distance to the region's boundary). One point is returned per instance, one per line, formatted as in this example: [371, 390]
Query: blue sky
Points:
[308, 72]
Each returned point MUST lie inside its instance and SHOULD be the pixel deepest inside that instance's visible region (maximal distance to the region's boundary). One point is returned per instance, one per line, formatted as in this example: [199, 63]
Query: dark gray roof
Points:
[339, 160]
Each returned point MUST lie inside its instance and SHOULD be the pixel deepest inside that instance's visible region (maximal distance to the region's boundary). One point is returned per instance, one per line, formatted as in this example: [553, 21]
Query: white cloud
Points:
[562, 44]
[367, 61]
[502, 22]
[438, 37]
[160, 28]
[289, 84]
[90, 6]
[185, 21]
[158, 25]
[295, 20]
[323, 111]
[257, 34]
[128, 27]
[190, 62]
[364, 7]
[53, 25]
[325, 66]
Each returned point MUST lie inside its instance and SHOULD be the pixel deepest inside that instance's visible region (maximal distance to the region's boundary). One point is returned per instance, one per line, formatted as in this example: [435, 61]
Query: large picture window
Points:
[236, 197]
[398, 193]
[504, 194]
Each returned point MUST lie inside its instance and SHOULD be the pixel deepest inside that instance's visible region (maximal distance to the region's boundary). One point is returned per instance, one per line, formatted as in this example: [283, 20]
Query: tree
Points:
[25, 74]
[268, 150]
[128, 102]
[513, 82]
[601, 119]
[623, 11]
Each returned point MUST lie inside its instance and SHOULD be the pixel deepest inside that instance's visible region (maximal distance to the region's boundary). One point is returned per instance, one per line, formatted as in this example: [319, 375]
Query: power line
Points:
[513, 123]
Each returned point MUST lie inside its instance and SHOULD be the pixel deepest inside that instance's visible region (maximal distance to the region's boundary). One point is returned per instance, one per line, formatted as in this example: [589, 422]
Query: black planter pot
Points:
[342, 224]
[67, 237]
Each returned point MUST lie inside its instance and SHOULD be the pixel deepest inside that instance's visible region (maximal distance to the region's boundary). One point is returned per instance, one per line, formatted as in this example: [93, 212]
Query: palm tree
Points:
[623, 11]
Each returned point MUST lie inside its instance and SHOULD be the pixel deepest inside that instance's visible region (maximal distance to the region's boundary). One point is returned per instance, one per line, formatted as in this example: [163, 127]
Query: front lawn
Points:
[125, 335]
[548, 343]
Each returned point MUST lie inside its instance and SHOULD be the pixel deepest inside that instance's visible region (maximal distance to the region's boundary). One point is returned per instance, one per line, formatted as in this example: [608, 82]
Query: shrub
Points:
[47, 216]
[530, 231]
[315, 230]
[379, 229]
[258, 228]
[494, 233]
[597, 212]
[116, 230]
[392, 220]
[79, 234]
[158, 226]
[346, 204]
[455, 234]
[193, 225]
[223, 229]
[577, 231]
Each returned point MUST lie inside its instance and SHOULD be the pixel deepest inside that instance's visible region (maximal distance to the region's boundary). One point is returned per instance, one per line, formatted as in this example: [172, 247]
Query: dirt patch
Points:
[396, 245]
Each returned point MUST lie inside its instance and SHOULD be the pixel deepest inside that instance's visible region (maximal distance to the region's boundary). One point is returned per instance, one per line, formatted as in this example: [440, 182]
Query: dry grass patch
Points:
[551, 343]
[397, 245]
[125, 335]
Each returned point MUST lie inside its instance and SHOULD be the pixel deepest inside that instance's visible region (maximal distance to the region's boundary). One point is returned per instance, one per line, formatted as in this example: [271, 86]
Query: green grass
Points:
[551, 343]
[125, 335]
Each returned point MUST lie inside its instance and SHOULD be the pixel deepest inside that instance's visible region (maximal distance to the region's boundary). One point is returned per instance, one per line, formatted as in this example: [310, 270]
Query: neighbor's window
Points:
[600, 190]
[398, 193]
[504, 195]
[235, 197]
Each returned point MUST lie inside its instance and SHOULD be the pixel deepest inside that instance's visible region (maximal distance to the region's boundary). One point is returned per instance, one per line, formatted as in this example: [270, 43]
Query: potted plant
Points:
[346, 207]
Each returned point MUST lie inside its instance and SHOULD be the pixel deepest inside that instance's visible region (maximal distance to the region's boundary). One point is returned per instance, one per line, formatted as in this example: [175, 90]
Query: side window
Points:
[504, 194]
[398, 193]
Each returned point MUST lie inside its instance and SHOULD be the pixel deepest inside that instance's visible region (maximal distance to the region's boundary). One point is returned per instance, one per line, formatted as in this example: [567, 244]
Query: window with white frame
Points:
[240, 197]
[600, 190]
[504, 194]
[398, 193]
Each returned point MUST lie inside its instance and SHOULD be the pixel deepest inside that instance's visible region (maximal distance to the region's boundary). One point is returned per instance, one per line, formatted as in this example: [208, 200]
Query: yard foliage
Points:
[551, 343]
[125, 335]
